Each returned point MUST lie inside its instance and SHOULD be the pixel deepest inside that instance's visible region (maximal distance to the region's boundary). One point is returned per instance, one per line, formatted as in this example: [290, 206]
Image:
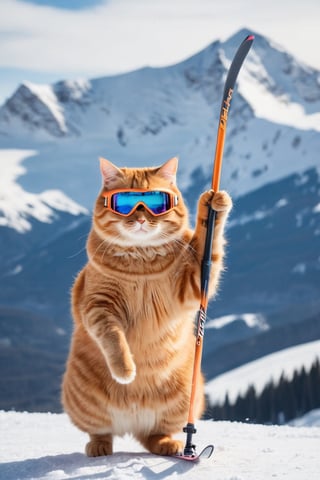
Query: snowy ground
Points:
[47, 447]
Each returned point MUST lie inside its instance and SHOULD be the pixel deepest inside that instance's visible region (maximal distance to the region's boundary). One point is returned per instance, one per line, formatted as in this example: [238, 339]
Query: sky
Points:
[48, 40]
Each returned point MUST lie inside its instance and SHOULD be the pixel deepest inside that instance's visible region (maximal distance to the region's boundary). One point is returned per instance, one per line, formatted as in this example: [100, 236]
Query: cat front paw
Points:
[124, 374]
[221, 202]
[125, 378]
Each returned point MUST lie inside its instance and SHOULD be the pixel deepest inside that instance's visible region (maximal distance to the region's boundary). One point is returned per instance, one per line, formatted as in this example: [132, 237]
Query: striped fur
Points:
[130, 362]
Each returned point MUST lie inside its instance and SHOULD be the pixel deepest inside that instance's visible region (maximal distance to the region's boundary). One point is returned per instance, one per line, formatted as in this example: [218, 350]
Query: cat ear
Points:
[109, 171]
[169, 170]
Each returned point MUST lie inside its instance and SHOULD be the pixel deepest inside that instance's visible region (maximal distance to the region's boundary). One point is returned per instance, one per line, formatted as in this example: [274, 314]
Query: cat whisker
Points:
[98, 249]
[74, 255]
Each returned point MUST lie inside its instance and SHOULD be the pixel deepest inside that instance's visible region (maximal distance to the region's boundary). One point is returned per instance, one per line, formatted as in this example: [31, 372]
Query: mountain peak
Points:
[240, 35]
[72, 90]
[110, 104]
[34, 107]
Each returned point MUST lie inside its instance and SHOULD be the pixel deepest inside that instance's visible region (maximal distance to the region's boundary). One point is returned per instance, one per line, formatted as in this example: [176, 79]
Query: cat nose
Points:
[141, 220]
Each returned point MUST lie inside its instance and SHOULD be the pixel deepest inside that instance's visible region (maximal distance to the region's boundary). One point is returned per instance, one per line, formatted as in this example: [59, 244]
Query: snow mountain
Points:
[50, 139]
[153, 113]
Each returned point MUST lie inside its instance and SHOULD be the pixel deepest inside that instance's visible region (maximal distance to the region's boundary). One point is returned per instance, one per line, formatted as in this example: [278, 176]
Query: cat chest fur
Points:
[153, 304]
[135, 419]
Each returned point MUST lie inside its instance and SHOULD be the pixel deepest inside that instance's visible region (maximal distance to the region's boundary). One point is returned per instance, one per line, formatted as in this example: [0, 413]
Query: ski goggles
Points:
[125, 201]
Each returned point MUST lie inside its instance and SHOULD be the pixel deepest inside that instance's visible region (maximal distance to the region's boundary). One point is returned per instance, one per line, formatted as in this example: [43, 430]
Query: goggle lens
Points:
[156, 201]
[125, 202]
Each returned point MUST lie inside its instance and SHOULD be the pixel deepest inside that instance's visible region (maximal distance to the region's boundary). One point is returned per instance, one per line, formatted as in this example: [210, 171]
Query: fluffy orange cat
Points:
[134, 304]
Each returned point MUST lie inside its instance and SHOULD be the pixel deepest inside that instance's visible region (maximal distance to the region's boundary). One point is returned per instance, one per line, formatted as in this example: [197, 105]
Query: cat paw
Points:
[163, 445]
[124, 375]
[205, 199]
[221, 202]
[99, 446]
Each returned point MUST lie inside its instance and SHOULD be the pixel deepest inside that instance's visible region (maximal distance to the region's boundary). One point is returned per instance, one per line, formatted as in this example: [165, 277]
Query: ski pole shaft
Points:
[206, 261]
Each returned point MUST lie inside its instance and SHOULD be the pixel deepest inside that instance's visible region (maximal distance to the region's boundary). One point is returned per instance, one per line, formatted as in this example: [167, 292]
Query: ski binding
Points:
[206, 452]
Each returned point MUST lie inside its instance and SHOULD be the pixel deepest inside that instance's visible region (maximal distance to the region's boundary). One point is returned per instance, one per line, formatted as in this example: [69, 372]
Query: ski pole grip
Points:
[206, 261]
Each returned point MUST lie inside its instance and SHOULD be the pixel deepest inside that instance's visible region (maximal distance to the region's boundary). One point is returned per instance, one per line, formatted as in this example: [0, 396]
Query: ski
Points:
[189, 452]
[205, 453]
[229, 85]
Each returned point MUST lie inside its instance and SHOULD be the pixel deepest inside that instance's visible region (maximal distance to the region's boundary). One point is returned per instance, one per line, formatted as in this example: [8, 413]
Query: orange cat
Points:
[134, 304]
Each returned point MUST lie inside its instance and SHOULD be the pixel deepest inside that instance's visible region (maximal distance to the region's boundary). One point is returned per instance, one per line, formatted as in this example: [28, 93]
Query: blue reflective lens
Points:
[124, 202]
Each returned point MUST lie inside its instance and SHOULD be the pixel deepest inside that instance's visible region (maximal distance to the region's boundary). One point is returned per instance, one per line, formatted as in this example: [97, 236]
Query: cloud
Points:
[115, 36]
[121, 35]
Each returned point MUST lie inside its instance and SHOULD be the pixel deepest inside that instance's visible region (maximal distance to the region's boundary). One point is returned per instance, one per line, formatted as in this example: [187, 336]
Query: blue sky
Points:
[45, 41]
[67, 4]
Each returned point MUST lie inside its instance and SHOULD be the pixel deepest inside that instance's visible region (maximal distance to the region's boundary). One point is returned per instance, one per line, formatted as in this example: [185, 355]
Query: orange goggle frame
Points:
[125, 201]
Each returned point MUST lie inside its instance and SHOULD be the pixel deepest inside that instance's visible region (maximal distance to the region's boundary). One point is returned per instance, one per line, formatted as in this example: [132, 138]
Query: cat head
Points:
[141, 227]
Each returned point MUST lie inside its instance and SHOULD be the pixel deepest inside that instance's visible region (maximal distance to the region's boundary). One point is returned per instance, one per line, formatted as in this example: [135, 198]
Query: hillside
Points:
[261, 371]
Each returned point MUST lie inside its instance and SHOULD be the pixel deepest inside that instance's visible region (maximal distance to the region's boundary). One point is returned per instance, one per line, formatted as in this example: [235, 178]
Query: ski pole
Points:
[189, 429]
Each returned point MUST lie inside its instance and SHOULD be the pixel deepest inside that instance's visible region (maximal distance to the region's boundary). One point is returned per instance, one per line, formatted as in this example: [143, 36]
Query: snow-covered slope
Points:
[17, 207]
[47, 447]
[261, 371]
[310, 419]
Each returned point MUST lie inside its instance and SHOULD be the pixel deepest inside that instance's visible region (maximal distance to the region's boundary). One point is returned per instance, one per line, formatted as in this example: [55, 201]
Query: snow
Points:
[310, 419]
[59, 201]
[259, 372]
[17, 269]
[42, 446]
[277, 109]
[17, 206]
[283, 202]
[257, 215]
[300, 268]
[252, 320]
[48, 97]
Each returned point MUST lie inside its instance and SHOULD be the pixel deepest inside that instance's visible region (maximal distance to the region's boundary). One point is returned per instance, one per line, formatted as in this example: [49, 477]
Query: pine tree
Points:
[315, 381]
[251, 402]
